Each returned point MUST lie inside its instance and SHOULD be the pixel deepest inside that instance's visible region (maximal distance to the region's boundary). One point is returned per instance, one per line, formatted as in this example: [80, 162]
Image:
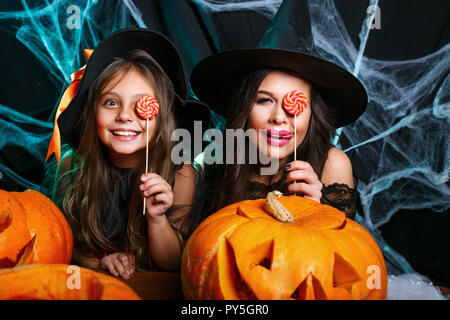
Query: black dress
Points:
[115, 207]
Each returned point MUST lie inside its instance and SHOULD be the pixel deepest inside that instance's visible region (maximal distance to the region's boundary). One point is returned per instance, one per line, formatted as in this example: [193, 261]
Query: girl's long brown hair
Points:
[95, 175]
[229, 183]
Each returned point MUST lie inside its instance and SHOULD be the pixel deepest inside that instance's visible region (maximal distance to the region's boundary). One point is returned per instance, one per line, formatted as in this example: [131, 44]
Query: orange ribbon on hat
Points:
[69, 94]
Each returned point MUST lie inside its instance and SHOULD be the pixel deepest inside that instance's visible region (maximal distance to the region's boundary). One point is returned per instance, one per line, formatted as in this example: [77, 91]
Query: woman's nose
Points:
[278, 114]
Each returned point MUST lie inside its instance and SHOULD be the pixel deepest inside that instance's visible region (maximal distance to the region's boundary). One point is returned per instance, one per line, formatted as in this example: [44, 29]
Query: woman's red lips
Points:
[278, 137]
[283, 134]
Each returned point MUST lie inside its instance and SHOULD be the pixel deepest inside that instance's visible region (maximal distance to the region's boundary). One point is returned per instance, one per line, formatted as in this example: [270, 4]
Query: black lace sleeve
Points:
[341, 197]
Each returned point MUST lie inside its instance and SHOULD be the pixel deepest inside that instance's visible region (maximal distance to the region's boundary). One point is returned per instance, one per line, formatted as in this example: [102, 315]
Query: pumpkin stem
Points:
[277, 209]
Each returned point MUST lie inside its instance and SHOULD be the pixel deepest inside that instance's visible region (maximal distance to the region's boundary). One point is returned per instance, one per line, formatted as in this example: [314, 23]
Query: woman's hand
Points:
[119, 263]
[158, 193]
[303, 180]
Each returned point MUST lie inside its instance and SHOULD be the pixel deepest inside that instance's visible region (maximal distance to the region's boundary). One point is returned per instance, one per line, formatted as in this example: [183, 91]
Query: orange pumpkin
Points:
[32, 230]
[61, 282]
[243, 252]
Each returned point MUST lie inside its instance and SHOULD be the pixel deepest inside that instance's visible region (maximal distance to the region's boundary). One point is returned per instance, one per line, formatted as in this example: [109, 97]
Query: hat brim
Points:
[116, 45]
[215, 79]
[189, 111]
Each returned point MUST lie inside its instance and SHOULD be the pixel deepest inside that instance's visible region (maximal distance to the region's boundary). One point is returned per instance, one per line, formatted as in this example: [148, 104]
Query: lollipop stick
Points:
[147, 108]
[295, 141]
[146, 160]
[295, 138]
[295, 102]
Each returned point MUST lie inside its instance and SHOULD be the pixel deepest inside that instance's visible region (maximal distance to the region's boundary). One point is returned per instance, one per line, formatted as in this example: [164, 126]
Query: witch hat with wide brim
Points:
[215, 79]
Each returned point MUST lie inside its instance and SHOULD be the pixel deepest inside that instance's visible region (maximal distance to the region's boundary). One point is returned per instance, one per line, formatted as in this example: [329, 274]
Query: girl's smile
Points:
[124, 134]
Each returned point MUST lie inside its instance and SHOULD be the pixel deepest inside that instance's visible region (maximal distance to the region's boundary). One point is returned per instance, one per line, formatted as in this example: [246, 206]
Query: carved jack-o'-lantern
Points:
[243, 252]
[32, 230]
[61, 282]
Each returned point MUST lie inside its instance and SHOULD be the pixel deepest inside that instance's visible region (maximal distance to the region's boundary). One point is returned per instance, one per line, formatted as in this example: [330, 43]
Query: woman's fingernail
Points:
[287, 167]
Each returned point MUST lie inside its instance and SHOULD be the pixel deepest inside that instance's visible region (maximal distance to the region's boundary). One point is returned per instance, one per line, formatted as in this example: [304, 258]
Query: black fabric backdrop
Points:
[411, 29]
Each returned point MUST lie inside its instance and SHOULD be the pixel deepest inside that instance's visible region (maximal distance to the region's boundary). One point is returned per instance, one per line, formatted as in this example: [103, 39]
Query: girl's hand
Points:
[158, 193]
[303, 180]
[119, 263]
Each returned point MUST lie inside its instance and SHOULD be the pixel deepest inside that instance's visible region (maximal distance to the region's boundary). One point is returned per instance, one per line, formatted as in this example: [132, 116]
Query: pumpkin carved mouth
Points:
[262, 255]
[242, 252]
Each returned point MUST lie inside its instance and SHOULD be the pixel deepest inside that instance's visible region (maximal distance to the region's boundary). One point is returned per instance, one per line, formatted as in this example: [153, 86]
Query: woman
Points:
[248, 88]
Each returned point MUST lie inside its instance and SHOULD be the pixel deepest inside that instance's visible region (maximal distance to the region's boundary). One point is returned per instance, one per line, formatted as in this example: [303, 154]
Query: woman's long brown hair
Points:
[229, 183]
[95, 175]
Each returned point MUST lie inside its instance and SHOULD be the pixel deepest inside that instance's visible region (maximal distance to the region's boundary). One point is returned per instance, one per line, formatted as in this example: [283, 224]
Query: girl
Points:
[101, 181]
[248, 88]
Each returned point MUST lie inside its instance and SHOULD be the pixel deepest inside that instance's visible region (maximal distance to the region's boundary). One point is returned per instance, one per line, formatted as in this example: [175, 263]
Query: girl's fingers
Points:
[162, 197]
[120, 269]
[156, 189]
[153, 182]
[119, 263]
[146, 177]
[108, 265]
[150, 176]
[127, 263]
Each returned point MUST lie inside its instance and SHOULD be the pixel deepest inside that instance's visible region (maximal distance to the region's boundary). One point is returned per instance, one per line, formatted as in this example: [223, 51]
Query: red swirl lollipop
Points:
[147, 107]
[295, 102]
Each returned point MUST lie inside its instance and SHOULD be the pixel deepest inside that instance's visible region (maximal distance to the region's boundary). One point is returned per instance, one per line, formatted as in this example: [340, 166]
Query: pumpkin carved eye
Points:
[242, 252]
[344, 275]
[5, 220]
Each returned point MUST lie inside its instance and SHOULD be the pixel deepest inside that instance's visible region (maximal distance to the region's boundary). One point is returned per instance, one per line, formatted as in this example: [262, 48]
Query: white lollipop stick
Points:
[294, 102]
[147, 107]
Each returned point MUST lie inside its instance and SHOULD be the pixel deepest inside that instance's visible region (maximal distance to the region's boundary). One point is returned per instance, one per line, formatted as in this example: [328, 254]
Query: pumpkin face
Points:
[243, 252]
[32, 230]
[56, 282]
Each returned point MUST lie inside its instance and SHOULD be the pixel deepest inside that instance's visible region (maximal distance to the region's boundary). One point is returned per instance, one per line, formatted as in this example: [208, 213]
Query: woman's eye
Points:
[263, 100]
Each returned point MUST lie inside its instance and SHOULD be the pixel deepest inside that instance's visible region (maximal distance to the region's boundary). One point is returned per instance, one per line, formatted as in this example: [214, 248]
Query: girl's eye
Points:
[110, 103]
